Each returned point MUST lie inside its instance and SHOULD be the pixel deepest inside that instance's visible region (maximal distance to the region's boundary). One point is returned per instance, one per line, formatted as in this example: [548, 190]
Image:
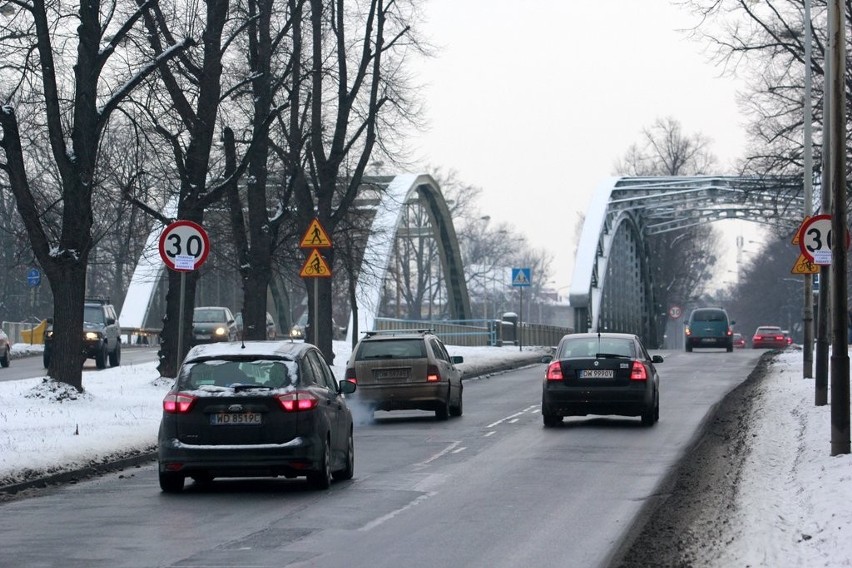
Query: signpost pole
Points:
[180, 320]
[521, 321]
[808, 311]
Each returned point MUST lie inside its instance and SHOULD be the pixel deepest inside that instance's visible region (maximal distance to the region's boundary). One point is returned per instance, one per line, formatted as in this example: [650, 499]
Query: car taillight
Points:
[432, 374]
[178, 402]
[757, 338]
[297, 401]
[687, 331]
[638, 372]
[554, 372]
[351, 376]
[730, 332]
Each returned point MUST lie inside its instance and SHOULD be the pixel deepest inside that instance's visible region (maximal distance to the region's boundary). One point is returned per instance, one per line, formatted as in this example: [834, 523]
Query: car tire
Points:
[349, 468]
[45, 358]
[171, 482]
[459, 408]
[442, 412]
[101, 358]
[648, 416]
[321, 478]
[551, 420]
[4, 361]
[688, 348]
[115, 356]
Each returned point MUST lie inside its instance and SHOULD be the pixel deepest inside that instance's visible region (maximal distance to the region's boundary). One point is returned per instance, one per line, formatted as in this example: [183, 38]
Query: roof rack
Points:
[421, 331]
[96, 300]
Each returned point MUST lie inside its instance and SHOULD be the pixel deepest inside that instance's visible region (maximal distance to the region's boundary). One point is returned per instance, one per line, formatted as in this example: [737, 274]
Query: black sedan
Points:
[601, 373]
[265, 409]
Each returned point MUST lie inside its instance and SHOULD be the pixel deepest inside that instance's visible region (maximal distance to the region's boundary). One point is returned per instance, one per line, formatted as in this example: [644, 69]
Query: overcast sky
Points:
[534, 101]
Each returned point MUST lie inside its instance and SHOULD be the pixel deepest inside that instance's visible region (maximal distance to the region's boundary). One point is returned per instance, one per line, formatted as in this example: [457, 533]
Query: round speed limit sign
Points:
[184, 246]
[816, 239]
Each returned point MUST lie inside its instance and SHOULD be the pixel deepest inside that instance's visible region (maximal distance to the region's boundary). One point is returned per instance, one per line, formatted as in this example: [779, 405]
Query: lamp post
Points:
[808, 311]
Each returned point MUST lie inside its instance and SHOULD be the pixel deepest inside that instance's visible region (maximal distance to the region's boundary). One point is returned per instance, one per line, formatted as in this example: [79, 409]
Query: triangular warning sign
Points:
[315, 236]
[804, 266]
[795, 240]
[315, 266]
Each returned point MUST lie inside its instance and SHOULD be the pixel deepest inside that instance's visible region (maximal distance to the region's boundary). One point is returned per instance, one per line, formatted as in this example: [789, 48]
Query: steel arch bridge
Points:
[612, 288]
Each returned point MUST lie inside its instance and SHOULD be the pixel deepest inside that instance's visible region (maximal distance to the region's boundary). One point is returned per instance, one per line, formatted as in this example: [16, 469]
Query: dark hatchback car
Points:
[601, 373]
[211, 324]
[265, 409]
[406, 370]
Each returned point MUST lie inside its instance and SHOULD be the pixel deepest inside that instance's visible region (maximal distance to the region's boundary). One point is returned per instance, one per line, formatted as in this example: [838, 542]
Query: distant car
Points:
[406, 370]
[259, 409]
[788, 336]
[709, 327]
[301, 329]
[271, 331]
[769, 337]
[5, 349]
[212, 324]
[739, 341]
[601, 373]
[101, 334]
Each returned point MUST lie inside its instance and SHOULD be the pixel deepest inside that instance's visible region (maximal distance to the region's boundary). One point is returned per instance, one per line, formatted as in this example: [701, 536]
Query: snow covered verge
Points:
[760, 488]
[53, 433]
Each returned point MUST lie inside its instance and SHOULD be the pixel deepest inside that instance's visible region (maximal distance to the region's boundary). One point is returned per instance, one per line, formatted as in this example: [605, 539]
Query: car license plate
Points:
[391, 373]
[241, 418]
[708, 340]
[597, 374]
[200, 336]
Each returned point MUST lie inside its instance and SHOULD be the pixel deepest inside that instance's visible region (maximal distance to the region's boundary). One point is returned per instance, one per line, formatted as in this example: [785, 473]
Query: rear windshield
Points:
[589, 347]
[769, 330]
[269, 373]
[709, 315]
[392, 349]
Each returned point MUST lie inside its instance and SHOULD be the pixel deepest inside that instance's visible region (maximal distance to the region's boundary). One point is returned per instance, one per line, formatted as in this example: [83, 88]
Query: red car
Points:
[769, 337]
[739, 341]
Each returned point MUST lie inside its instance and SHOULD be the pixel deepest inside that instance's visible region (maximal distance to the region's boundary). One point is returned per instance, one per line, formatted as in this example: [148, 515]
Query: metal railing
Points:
[482, 332]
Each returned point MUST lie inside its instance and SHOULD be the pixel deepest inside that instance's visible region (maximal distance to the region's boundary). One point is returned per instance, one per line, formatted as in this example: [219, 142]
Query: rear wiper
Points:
[610, 356]
[242, 387]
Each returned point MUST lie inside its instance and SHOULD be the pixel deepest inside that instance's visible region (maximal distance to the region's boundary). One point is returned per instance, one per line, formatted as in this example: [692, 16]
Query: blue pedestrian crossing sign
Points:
[33, 277]
[521, 277]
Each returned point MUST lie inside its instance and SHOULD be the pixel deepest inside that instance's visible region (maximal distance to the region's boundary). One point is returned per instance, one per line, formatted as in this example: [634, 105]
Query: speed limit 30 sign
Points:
[184, 246]
[816, 240]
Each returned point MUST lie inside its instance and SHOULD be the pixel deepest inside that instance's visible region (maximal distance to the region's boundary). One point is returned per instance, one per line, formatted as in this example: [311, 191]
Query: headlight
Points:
[92, 336]
[221, 331]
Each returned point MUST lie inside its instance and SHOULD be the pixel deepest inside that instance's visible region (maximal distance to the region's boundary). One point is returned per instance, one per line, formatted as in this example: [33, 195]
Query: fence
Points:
[474, 333]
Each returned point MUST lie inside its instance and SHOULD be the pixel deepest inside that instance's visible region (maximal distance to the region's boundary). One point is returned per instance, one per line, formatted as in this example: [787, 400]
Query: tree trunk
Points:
[68, 281]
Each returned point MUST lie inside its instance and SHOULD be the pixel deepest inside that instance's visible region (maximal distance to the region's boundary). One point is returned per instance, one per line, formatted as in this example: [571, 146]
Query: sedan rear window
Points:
[263, 373]
[586, 347]
[392, 349]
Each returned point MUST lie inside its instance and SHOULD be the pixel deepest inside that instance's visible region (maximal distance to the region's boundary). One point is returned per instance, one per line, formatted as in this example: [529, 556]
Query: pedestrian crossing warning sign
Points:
[315, 266]
[521, 277]
[315, 236]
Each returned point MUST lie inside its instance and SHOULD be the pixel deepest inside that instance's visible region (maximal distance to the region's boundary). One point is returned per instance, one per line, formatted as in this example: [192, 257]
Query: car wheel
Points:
[349, 469]
[321, 478]
[46, 358]
[101, 358]
[551, 420]
[115, 356]
[459, 408]
[171, 482]
[4, 361]
[443, 410]
[688, 348]
[648, 417]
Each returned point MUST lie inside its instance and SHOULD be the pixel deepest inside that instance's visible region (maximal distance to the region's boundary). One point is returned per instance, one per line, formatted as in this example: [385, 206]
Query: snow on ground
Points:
[794, 507]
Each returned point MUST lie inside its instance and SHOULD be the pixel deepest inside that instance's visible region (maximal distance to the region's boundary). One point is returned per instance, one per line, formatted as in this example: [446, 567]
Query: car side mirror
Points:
[110, 321]
[546, 359]
[456, 359]
[732, 322]
[346, 387]
[657, 359]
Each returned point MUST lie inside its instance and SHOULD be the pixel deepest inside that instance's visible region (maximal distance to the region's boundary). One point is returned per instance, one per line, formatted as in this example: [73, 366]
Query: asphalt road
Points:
[33, 366]
[490, 489]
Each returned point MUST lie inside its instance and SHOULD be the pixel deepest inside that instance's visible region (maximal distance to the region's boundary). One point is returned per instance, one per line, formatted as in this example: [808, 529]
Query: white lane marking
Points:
[463, 448]
[493, 424]
[378, 521]
[513, 420]
[491, 433]
[445, 451]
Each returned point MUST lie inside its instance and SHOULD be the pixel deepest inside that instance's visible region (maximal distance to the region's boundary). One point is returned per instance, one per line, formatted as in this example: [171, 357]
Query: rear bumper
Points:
[401, 396]
[296, 457]
[579, 401]
[709, 341]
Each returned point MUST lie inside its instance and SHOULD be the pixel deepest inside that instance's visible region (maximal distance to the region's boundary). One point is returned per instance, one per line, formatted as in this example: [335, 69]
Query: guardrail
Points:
[474, 333]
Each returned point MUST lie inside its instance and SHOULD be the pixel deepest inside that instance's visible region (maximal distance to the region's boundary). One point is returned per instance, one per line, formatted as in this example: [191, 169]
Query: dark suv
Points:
[101, 334]
[709, 327]
[406, 370]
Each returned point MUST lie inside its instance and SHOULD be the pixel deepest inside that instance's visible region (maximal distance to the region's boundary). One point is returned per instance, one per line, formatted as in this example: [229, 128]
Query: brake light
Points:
[638, 372]
[730, 332]
[432, 374]
[554, 372]
[178, 402]
[757, 338]
[297, 401]
[350, 375]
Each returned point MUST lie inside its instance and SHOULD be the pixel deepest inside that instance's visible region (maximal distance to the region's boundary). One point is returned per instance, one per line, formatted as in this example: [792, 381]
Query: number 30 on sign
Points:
[815, 239]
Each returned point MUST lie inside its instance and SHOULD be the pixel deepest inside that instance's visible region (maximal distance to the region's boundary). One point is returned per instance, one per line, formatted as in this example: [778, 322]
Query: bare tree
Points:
[69, 102]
